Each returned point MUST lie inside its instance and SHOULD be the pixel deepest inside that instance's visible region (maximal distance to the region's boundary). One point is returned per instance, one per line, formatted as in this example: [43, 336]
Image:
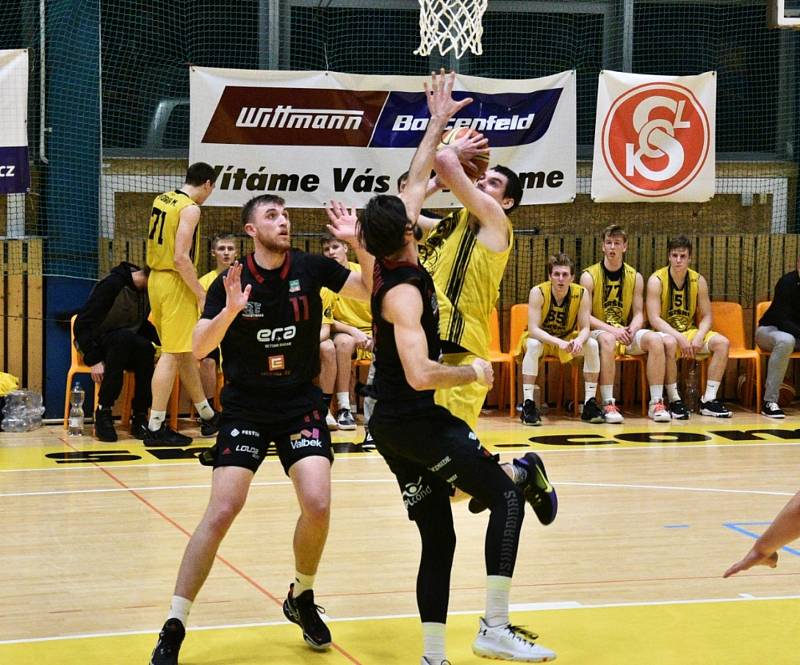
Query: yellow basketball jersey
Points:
[164, 219]
[678, 305]
[467, 276]
[353, 312]
[612, 299]
[328, 298]
[205, 280]
[560, 319]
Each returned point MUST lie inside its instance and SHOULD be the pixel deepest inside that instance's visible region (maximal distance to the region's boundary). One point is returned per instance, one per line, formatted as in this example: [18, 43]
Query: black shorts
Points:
[430, 451]
[244, 443]
[214, 355]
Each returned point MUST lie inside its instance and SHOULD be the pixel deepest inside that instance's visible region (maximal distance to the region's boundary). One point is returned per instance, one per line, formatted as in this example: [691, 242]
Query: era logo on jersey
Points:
[276, 334]
[656, 138]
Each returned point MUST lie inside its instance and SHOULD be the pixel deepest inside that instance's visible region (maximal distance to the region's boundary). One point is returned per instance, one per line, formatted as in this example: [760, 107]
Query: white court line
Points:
[268, 483]
[533, 607]
[625, 446]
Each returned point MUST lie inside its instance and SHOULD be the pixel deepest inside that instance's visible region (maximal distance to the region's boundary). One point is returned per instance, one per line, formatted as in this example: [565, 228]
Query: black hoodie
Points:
[113, 304]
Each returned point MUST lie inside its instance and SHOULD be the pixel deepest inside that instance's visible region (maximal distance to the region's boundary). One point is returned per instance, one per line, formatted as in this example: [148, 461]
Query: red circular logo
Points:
[655, 138]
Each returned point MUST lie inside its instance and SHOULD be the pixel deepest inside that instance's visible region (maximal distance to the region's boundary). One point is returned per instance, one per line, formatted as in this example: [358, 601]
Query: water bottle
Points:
[13, 412]
[692, 396]
[76, 410]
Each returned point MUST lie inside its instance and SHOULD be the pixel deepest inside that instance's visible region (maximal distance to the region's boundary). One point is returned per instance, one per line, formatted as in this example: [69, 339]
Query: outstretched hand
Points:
[439, 94]
[344, 222]
[752, 558]
[235, 297]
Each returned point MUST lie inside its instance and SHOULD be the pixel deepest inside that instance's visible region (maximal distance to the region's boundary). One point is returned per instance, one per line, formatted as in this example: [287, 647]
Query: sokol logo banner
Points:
[14, 171]
[315, 136]
[654, 138]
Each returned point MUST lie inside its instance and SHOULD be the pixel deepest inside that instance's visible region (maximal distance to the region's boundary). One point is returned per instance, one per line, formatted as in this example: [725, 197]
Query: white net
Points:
[451, 25]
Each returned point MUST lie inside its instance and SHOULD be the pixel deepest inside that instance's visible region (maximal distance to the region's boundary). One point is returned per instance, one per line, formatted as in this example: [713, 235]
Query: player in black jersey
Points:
[266, 316]
[427, 448]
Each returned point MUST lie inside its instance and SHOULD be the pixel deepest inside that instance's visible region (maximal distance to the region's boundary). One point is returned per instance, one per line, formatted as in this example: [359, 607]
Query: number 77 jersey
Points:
[163, 227]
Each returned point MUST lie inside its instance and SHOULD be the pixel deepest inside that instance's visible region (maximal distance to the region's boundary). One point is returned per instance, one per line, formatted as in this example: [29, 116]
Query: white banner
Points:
[654, 138]
[316, 136]
[14, 170]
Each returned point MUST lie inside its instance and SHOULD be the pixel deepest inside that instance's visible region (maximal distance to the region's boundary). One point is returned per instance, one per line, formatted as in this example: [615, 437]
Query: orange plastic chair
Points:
[519, 324]
[506, 361]
[641, 360]
[78, 366]
[761, 308]
[729, 321]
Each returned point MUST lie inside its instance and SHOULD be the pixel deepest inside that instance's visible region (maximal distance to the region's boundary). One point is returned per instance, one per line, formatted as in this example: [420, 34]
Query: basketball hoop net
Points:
[451, 25]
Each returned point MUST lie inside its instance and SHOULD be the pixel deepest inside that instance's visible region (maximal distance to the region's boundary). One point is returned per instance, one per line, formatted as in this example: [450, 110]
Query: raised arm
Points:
[402, 307]
[208, 333]
[344, 226]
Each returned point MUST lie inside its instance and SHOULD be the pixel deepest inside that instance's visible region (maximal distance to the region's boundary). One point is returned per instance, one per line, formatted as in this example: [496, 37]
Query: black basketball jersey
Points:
[390, 379]
[271, 350]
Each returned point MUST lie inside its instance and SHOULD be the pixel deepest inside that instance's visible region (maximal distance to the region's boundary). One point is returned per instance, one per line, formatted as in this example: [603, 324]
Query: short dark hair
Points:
[614, 230]
[199, 172]
[679, 242]
[383, 225]
[560, 259]
[401, 179]
[221, 236]
[261, 199]
[327, 237]
[513, 186]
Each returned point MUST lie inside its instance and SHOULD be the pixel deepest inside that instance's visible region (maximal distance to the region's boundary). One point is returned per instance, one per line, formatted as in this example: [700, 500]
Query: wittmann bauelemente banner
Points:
[313, 137]
[14, 172]
[654, 138]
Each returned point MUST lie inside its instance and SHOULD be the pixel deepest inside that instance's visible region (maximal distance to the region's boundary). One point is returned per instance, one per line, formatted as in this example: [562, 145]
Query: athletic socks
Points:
[498, 589]
[606, 393]
[433, 641]
[179, 609]
[302, 583]
[711, 391]
[343, 400]
[326, 398]
[527, 392]
[590, 390]
[157, 419]
[656, 392]
[204, 410]
[672, 392]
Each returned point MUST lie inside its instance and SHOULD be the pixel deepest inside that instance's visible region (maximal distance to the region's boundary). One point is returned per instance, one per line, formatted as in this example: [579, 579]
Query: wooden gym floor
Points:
[630, 572]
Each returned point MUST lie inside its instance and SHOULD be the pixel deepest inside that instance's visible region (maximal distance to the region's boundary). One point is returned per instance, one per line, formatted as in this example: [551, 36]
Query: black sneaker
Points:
[305, 613]
[368, 443]
[169, 643]
[772, 410]
[104, 425]
[211, 426]
[530, 414]
[714, 408]
[678, 410]
[538, 491]
[592, 413]
[345, 420]
[139, 425]
[165, 436]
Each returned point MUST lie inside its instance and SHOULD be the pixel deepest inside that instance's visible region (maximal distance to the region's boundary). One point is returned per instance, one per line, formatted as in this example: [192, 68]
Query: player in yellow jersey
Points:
[223, 252]
[678, 306]
[351, 331]
[558, 325]
[616, 290]
[175, 296]
[327, 356]
[466, 254]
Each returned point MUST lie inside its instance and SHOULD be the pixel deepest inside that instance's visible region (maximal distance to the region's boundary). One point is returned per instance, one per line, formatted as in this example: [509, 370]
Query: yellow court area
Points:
[650, 516]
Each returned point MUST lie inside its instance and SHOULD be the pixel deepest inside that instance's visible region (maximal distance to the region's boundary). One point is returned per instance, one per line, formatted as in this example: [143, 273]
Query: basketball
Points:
[477, 166]
[786, 394]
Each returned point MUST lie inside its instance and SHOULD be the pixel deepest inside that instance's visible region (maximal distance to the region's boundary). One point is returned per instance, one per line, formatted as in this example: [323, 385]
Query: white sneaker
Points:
[509, 643]
[330, 421]
[425, 661]
[658, 412]
[611, 413]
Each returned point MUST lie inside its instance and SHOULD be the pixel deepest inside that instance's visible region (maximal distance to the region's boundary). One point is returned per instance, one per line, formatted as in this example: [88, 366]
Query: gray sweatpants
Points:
[780, 344]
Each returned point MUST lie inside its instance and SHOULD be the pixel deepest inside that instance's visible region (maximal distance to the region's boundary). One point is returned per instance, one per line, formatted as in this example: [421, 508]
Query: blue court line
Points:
[676, 526]
[737, 526]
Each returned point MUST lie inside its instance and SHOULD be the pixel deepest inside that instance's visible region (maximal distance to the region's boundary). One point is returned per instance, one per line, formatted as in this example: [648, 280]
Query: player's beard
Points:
[277, 244]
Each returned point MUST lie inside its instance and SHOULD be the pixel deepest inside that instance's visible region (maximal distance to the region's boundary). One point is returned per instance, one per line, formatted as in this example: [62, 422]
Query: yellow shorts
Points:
[690, 335]
[465, 401]
[174, 310]
[549, 349]
[363, 354]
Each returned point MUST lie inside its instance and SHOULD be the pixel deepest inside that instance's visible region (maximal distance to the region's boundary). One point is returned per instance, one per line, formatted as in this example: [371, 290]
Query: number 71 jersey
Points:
[163, 227]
